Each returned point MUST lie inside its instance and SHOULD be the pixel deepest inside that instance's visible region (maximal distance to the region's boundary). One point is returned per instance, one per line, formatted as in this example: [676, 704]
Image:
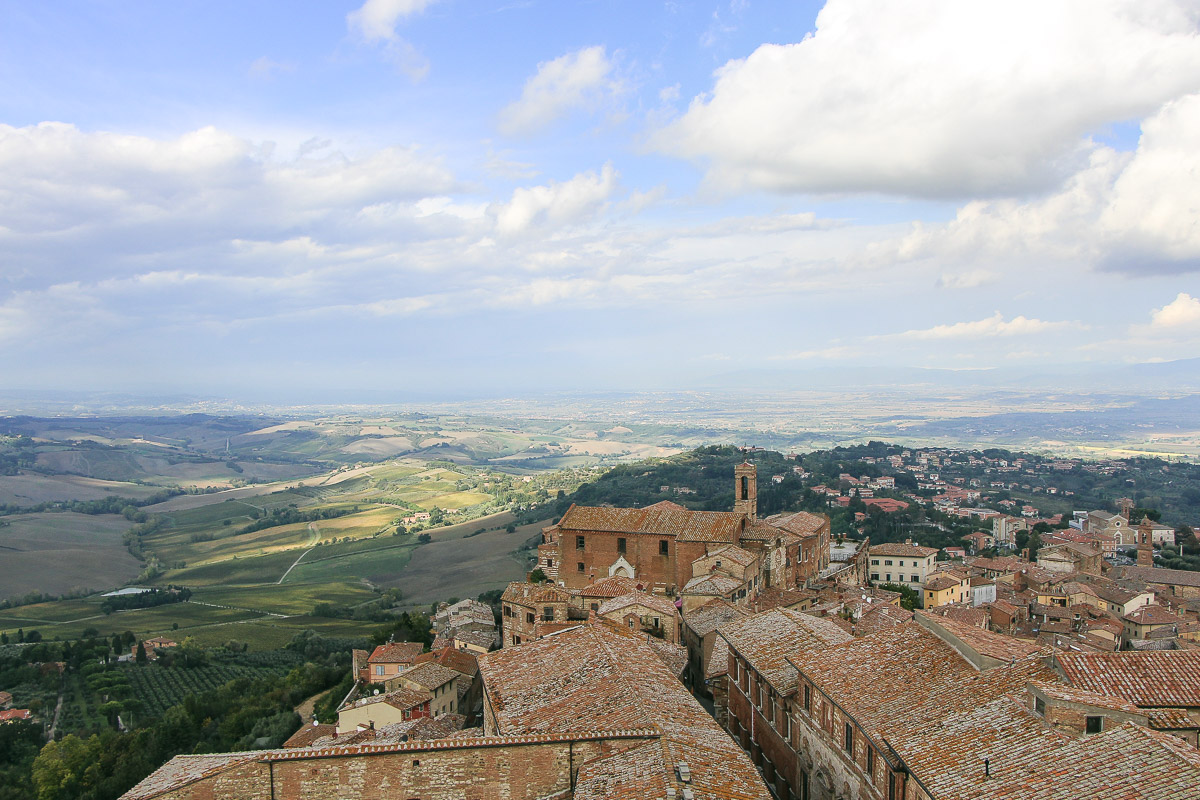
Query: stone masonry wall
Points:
[500, 771]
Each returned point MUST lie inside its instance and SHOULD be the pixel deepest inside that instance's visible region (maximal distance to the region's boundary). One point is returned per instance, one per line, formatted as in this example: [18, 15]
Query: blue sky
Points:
[286, 198]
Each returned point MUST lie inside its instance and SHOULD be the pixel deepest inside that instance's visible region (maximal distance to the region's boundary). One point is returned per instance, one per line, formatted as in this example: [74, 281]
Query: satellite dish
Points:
[375, 692]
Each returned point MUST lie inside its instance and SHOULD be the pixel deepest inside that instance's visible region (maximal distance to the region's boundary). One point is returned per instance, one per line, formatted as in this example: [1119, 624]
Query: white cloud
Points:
[555, 203]
[967, 280]
[994, 325]
[1181, 314]
[1133, 212]
[113, 196]
[938, 97]
[1152, 220]
[575, 80]
[376, 20]
[375, 23]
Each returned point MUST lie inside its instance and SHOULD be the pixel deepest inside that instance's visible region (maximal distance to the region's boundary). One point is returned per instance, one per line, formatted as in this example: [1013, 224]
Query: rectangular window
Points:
[871, 762]
[807, 697]
[663, 548]
[1039, 705]
[887, 563]
[529, 617]
[1095, 724]
[379, 669]
[621, 546]
[888, 577]
[874, 576]
[848, 739]
[891, 786]
[548, 614]
[578, 542]
[579, 566]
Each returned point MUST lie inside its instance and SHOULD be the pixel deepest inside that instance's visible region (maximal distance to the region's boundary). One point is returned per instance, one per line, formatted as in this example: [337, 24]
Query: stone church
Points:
[666, 548]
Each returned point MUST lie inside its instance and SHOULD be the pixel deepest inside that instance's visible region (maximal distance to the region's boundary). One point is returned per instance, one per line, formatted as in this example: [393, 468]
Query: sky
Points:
[321, 199]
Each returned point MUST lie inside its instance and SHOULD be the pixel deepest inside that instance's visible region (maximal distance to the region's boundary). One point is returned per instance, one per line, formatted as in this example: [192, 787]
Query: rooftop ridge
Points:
[301, 753]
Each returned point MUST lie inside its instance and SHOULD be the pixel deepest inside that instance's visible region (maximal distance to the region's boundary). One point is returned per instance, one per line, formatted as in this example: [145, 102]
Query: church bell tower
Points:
[1145, 544]
[745, 496]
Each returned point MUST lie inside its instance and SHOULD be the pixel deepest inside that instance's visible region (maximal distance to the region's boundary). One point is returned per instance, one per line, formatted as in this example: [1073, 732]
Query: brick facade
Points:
[501, 768]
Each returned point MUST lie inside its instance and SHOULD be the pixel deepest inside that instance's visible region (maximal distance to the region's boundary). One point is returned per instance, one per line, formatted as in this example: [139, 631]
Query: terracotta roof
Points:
[1078, 549]
[395, 653]
[529, 594]
[1171, 718]
[987, 643]
[903, 550]
[669, 505]
[309, 734]
[402, 698]
[1153, 615]
[674, 656]
[907, 676]
[1128, 761]
[652, 601]
[881, 616]
[613, 586]
[1073, 694]
[760, 531]
[1003, 564]
[480, 638]
[182, 770]
[15, 713]
[706, 618]
[802, 523]
[737, 555]
[1004, 607]
[967, 615]
[766, 640]
[779, 597]
[718, 585]
[686, 526]
[942, 581]
[429, 675]
[602, 677]
[461, 661]
[1160, 678]
[1170, 577]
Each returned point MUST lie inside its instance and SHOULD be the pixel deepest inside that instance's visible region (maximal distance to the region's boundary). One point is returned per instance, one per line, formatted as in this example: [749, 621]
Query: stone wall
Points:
[510, 768]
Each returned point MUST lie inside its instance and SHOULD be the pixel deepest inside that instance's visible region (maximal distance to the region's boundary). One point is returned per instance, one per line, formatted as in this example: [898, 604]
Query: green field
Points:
[375, 565]
[254, 586]
[143, 622]
[57, 552]
[286, 599]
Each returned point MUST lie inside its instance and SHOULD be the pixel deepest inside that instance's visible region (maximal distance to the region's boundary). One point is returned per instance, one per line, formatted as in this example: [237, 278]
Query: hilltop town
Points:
[674, 653]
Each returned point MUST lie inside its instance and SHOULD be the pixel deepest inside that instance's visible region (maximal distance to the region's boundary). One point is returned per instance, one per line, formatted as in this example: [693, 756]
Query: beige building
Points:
[944, 588]
[1070, 557]
[1147, 621]
[904, 564]
[654, 614]
[439, 683]
[399, 705]
[389, 660]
